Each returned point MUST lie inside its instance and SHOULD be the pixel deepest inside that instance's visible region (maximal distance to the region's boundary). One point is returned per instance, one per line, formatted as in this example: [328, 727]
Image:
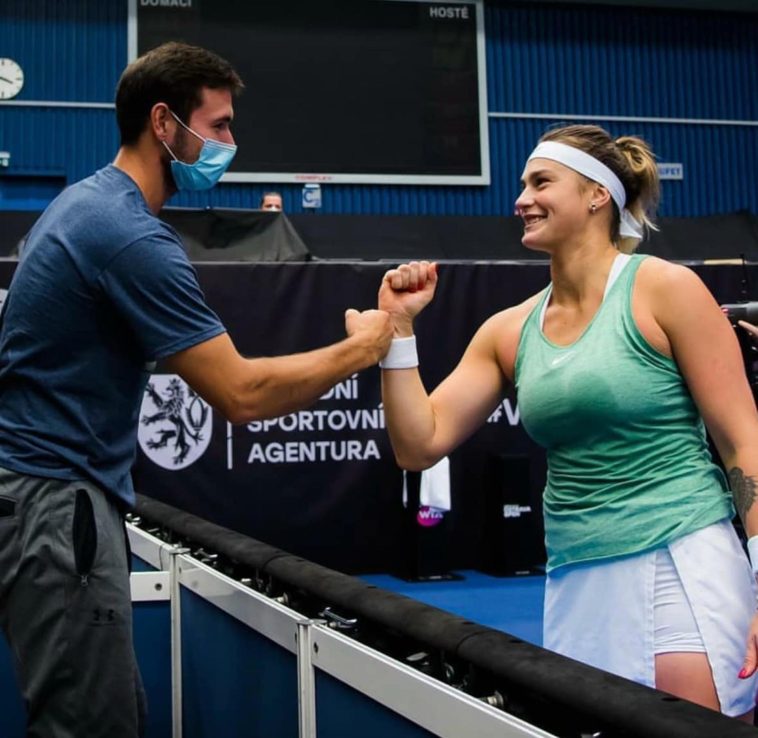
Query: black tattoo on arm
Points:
[744, 490]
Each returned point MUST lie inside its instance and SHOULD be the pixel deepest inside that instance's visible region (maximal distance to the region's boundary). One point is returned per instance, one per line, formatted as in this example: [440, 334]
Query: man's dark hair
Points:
[173, 73]
[271, 193]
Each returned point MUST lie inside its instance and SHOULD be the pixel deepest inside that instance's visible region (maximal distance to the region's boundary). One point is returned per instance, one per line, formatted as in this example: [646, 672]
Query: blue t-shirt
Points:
[103, 289]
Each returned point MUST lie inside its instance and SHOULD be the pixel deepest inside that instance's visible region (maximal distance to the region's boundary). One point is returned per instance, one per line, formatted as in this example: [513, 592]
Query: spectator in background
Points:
[271, 201]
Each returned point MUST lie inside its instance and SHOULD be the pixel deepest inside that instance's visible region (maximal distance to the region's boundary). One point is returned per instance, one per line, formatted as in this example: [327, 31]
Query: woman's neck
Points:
[580, 274]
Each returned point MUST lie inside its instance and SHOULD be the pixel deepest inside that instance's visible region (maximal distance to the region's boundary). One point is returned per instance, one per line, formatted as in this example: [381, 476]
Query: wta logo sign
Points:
[175, 423]
[428, 517]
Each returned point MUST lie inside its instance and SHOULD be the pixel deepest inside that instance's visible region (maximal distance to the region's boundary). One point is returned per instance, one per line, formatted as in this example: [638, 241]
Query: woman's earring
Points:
[593, 207]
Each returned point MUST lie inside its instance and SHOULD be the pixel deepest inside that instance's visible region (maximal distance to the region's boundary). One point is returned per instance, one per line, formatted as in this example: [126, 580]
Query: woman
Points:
[616, 365]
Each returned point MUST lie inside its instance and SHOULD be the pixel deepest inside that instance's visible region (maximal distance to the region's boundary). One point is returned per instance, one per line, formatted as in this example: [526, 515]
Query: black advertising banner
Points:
[322, 483]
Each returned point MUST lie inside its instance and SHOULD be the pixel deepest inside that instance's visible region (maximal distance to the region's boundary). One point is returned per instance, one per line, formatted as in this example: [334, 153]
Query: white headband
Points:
[595, 170]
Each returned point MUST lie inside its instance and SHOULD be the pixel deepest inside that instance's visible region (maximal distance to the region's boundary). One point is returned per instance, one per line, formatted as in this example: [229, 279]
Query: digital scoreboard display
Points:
[362, 91]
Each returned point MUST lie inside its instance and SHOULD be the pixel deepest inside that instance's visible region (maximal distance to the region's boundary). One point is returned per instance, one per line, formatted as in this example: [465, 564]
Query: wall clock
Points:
[11, 78]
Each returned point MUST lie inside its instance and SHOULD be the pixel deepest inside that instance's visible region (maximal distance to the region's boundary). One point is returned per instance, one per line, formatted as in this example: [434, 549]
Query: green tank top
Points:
[629, 467]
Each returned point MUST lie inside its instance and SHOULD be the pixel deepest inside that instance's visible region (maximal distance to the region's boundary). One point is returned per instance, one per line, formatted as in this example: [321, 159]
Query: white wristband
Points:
[402, 354]
[752, 552]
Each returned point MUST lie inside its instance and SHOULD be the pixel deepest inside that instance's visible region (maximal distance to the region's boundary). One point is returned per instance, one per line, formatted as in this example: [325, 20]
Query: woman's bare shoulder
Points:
[659, 274]
[502, 332]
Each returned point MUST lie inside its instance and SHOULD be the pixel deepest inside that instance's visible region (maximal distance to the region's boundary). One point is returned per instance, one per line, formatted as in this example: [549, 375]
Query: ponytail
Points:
[644, 193]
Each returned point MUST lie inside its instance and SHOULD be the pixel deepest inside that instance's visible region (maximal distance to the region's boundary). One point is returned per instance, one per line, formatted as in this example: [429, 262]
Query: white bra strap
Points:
[617, 267]
[544, 306]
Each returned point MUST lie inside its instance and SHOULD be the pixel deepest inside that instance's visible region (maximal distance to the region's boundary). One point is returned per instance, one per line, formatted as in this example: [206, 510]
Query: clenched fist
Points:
[372, 328]
[406, 291]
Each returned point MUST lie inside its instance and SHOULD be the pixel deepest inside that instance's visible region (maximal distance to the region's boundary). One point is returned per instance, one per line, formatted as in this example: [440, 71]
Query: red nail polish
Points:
[742, 674]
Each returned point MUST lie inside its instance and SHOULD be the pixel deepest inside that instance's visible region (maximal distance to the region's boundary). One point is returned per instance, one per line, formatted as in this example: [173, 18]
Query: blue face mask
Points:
[215, 158]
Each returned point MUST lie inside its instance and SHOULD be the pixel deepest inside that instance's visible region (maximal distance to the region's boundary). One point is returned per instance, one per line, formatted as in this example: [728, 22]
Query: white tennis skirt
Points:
[602, 613]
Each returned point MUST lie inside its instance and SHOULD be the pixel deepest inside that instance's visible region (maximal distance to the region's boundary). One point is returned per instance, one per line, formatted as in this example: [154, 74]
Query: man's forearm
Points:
[275, 386]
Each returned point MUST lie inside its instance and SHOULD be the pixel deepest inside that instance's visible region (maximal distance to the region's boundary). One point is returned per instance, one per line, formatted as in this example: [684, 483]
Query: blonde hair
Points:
[631, 160]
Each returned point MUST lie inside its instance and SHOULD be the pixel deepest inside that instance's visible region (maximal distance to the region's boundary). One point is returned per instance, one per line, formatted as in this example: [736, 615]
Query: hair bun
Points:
[637, 152]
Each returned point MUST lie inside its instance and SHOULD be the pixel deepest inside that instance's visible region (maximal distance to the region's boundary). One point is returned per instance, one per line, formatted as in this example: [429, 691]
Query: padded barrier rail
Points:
[550, 691]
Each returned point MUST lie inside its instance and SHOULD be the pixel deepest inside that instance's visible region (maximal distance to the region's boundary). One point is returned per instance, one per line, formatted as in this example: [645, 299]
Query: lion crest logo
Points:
[175, 423]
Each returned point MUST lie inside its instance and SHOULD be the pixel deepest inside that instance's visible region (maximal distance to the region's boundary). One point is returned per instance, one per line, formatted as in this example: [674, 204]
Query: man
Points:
[103, 290]
[271, 201]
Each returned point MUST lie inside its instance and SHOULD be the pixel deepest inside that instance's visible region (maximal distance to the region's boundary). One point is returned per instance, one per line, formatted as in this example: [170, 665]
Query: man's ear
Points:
[160, 120]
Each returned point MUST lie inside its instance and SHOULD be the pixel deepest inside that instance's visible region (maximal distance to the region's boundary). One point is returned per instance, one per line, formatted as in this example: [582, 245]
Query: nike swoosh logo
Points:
[560, 359]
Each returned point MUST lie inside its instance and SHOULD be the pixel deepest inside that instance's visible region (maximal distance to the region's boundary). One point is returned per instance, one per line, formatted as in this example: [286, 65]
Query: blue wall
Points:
[542, 61]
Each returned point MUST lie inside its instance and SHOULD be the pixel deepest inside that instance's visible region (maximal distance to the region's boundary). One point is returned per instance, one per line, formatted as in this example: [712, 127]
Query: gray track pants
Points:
[65, 608]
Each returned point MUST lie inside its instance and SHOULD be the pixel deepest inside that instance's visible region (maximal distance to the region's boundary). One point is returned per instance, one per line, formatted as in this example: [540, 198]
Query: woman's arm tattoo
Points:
[744, 490]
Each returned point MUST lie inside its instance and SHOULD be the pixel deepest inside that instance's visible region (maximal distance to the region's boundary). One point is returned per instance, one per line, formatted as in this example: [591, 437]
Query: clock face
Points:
[11, 79]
